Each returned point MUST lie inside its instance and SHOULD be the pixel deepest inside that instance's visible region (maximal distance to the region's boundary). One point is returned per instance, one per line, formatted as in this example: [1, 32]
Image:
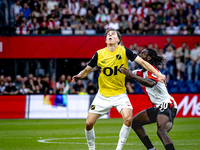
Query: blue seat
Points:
[170, 83]
[193, 88]
[183, 89]
[180, 83]
[198, 84]
[173, 90]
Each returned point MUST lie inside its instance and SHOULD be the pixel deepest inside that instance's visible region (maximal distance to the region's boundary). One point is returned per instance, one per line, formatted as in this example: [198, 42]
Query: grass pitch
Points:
[66, 134]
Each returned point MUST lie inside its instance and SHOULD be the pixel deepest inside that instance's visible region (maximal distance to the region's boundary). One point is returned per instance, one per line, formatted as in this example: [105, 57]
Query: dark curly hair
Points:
[156, 60]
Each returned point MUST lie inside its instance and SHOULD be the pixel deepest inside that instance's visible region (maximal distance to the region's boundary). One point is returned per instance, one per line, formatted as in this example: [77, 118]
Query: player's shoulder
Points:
[101, 50]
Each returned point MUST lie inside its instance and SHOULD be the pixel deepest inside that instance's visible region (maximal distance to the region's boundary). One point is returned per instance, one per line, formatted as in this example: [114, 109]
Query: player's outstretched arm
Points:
[143, 81]
[82, 74]
[151, 69]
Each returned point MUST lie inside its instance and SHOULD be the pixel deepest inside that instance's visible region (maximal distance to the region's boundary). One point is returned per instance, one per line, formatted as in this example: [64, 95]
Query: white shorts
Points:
[102, 105]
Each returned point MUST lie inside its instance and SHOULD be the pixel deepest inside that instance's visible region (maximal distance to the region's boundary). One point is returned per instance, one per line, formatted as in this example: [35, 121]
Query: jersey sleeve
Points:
[93, 61]
[152, 76]
[137, 72]
[130, 55]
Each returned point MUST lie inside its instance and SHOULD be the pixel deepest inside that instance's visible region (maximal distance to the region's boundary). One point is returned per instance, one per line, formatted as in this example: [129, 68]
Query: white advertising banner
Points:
[57, 106]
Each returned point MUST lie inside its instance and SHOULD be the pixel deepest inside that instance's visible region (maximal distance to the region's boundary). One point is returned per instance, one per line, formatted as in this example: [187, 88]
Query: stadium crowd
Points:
[141, 17]
[182, 69]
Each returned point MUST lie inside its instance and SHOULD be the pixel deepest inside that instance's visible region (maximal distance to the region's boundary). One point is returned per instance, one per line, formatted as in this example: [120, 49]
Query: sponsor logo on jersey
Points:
[118, 57]
[92, 107]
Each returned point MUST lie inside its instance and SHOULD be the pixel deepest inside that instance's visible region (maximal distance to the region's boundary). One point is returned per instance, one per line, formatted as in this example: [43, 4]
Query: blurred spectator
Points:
[197, 29]
[43, 82]
[141, 29]
[2, 87]
[31, 85]
[66, 30]
[61, 4]
[18, 82]
[22, 29]
[7, 80]
[51, 4]
[43, 29]
[143, 10]
[73, 6]
[100, 29]
[36, 11]
[16, 7]
[69, 84]
[82, 91]
[77, 87]
[190, 28]
[168, 42]
[172, 29]
[10, 89]
[66, 10]
[26, 11]
[94, 9]
[73, 22]
[100, 17]
[90, 30]
[111, 15]
[113, 24]
[160, 19]
[80, 29]
[181, 55]
[60, 85]
[86, 4]
[37, 90]
[91, 89]
[31, 77]
[112, 6]
[90, 17]
[82, 11]
[169, 56]
[194, 64]
[124, 25]
[34, 26]
[23, 90]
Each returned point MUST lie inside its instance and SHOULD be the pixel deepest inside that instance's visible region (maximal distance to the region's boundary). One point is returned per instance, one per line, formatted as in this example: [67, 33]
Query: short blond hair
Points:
[118, 34]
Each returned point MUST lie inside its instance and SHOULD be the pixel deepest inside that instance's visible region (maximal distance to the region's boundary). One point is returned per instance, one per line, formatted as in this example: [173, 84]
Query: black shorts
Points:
[165, 109]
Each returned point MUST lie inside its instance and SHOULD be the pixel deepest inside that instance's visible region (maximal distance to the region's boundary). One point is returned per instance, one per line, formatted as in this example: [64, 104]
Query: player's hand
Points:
[162, 79]
[75, 78]
[126, 71]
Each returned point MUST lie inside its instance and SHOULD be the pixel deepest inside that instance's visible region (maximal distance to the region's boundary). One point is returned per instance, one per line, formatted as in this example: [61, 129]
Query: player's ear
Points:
[148, 58]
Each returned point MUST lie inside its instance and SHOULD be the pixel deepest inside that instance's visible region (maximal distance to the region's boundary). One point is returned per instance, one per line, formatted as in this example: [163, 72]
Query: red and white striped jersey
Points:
[158, 93]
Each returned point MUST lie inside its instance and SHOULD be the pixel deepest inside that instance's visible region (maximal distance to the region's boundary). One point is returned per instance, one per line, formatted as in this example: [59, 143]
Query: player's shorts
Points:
[102, 105]
[164, 109]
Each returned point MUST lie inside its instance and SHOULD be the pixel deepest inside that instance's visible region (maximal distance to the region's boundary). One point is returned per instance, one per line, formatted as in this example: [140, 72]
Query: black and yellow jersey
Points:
[111, 81]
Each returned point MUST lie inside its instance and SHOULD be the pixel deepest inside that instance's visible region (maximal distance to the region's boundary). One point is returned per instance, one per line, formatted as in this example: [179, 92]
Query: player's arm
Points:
[134, 57]
[151, 69]
[143, 81]
[82, 74]
[87, 70]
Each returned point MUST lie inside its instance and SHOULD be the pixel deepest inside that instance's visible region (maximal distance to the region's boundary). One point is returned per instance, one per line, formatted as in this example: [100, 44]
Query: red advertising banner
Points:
[12, 107]
[75, 46]
[188, 105]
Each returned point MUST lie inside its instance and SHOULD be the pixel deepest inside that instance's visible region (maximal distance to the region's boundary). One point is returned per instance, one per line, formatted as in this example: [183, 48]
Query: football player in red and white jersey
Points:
[164, 110]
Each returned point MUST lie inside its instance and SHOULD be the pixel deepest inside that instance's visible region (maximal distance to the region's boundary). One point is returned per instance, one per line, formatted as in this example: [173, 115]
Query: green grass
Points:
[70, 135]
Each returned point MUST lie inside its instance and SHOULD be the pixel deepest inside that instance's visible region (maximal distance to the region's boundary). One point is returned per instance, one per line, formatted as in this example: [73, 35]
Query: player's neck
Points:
[112, 47]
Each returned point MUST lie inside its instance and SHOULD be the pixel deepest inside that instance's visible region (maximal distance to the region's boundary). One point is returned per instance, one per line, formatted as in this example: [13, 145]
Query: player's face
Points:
[143, 54]
[112, 37]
